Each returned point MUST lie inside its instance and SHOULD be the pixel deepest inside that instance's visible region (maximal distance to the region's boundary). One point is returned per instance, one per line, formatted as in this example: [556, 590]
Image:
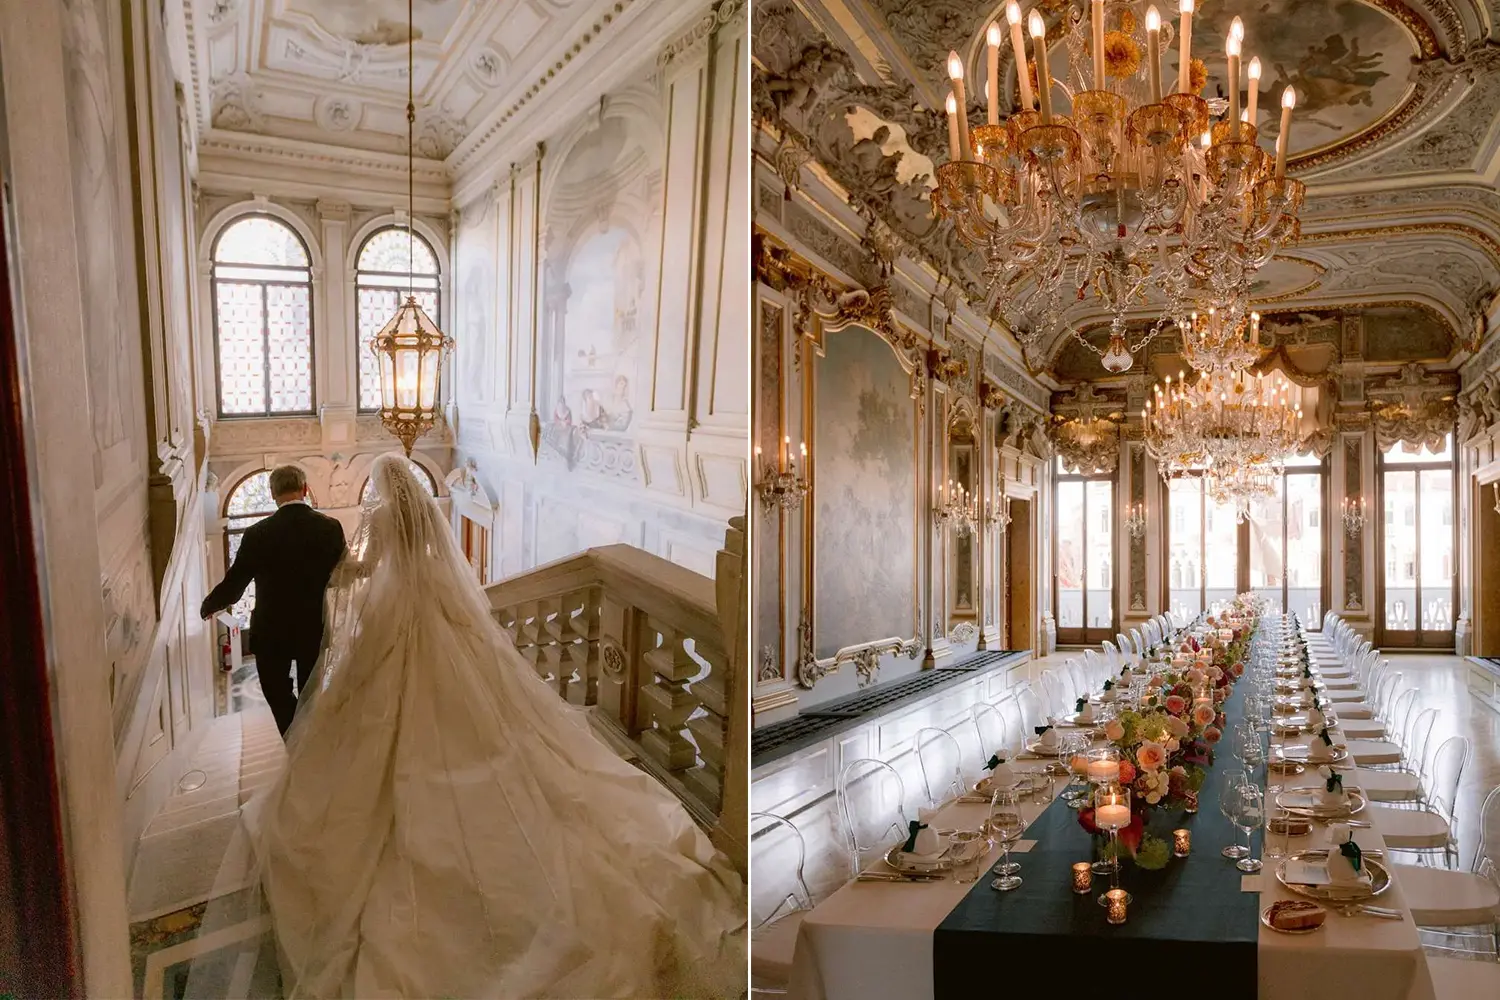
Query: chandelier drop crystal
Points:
[1134, 190]
[1232, 427]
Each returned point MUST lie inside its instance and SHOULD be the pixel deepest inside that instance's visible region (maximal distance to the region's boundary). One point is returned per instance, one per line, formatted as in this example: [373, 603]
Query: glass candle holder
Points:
[1114, 905]
[1083, 878]
[1104, 766]
[1182, 843]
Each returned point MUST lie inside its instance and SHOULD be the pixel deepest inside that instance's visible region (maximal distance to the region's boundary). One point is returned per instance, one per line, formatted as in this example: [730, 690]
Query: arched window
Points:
[262, 300]
[423, 476]
[249, 502]
[391, 261]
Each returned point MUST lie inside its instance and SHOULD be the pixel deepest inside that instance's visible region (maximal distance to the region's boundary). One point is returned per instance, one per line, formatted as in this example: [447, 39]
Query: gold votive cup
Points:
[1114, 905]
[1083, 877]
[1182, 843]
[1190, 802]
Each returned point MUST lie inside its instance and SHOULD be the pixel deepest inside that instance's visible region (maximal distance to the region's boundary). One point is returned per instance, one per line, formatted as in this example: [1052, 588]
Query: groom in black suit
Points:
[290, 556]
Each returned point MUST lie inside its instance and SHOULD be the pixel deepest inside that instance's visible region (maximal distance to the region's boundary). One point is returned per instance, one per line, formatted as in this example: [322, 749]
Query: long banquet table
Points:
[878, 940]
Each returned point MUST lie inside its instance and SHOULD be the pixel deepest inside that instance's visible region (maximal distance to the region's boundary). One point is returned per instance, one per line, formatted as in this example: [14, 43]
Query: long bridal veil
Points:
[447, 826]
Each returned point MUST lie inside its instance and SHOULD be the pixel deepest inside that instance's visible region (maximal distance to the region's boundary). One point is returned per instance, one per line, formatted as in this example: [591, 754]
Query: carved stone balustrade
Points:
[641, 641]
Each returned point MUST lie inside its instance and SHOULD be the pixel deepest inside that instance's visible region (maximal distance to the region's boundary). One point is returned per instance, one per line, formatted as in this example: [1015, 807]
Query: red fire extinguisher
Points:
[226, 657]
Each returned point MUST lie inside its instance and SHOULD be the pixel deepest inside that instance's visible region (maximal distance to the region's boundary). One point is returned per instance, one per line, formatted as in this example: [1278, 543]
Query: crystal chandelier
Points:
[1088, 445]
[959, 509]
[1233, 427]
[409, 349]
[1134, 190]
[1221, 338]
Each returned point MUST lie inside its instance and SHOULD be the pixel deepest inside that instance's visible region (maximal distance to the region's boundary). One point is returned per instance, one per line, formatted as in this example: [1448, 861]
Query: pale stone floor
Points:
[1441, 681]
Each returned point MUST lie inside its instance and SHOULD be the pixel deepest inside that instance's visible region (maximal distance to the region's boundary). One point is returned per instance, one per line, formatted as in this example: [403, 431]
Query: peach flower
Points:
[1212, 734]
[1204, 714]
[1177, 727]
[1127, 772]
[1113, 730]
[1176, 704]
[1151, 756]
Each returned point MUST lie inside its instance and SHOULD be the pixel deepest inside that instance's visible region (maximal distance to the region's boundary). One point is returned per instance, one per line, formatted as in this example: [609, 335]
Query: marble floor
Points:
[1440, 680]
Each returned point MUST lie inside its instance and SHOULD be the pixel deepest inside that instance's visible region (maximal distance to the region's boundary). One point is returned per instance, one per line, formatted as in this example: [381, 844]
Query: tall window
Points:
[249, 502]
[390, 262]
[1203, 545]
[1286, 541]
[1416, 487]
[262, 301]
[423, 476]
[1084, 555]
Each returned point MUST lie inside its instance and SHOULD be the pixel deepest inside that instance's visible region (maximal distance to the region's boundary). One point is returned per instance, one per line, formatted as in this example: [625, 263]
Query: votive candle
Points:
[1182, 843]
[1083, 877]
[1104, 772]
[1112, 817]
[1114, 903]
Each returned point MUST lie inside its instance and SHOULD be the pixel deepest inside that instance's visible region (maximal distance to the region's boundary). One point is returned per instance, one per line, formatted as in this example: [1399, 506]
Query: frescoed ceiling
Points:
[1397, 136]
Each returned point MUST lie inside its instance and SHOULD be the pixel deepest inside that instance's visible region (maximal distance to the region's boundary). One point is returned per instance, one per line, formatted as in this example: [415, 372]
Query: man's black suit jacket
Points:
[290, 556]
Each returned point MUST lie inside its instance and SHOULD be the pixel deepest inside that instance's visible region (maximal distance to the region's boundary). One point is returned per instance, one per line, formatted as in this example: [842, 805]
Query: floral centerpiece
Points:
[1166, 740]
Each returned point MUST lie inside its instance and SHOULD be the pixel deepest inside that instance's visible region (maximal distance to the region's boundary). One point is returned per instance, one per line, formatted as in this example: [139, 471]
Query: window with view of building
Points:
[262, 312]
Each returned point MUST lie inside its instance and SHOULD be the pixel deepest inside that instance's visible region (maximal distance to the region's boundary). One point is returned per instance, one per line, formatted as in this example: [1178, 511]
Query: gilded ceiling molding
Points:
[1473, 234]
[1414, 407]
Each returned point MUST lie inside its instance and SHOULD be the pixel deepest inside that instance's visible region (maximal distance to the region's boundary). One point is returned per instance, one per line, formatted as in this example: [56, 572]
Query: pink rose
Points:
[1113, 730]
[1177, 727]
[1176, 704]
[1212, 734]
[1151, 756]
[1203, 714]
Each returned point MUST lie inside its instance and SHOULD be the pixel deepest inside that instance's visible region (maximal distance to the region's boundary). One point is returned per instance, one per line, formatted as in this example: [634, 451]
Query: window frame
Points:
[312, 338]
[1086, 634]
[359, 272]
[1417, 637]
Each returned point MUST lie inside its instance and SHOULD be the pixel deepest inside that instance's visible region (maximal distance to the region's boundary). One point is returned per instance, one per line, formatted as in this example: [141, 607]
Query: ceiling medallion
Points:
[1135, 190]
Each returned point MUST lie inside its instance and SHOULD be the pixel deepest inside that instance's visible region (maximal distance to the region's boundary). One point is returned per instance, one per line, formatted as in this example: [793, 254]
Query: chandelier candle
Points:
[956, 74]
[1232, 50]
[1288, 102]
[1038, 29]
[1098, 26]
[992, 72]
[1153, 52]
[1185, 51]
[1018, 52]
[1253, 74]
[955, 140]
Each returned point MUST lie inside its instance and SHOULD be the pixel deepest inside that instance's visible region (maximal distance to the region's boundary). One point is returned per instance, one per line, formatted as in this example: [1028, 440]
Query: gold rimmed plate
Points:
[1034, 746]
[1380, 881]
[1356, 805]
[1302, 754]
[914, 864]
[1265, 919]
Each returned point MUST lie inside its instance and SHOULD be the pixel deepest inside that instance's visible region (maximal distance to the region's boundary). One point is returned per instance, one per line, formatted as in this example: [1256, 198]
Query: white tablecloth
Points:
[873, 941]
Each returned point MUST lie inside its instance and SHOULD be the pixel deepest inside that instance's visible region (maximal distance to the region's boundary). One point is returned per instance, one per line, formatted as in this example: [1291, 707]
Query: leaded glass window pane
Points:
[423, 476]
[262, 290]
[250, 502]
[392, 263]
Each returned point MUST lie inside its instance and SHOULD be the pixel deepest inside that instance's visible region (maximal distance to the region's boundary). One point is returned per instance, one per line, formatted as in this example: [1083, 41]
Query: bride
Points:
[447, 826]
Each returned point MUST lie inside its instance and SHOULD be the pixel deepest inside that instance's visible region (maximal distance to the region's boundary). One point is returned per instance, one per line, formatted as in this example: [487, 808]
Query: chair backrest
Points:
[1126, 649]
[941, 760]
[1385, 697]
[779, 854]
[1487, 854]
[1032, 712]
[1053, 696]
[989, 728]
[1009, 707]
[872, 808]
[1137, 642]
[1421, 737]
[1078, 678]
[1403, 710]
[1447, 772]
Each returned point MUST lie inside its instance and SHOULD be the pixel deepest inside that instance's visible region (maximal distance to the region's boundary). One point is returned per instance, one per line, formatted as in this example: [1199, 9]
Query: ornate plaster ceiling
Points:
[1397, 136]
[334, 71]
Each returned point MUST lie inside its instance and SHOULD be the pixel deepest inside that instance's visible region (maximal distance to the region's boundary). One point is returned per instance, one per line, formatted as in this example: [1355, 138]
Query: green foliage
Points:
[1153, 854]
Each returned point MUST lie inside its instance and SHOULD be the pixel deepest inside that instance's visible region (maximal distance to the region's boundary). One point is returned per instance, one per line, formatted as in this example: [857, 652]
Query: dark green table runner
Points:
[1190, 926]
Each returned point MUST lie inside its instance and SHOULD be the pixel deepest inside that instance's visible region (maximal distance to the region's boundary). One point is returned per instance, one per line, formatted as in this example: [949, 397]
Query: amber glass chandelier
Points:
[1136, 187]
[409, 349]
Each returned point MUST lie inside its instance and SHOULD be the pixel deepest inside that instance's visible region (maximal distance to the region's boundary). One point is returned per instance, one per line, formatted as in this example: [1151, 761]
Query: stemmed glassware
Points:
[1074, 747]
[1229, 797]
[1112, 813]
[1249, 812]
[1006, 826]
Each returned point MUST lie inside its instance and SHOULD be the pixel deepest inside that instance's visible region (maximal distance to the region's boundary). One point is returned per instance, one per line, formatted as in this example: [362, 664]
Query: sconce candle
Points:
[1182, 843]
[1038, 29]
[956, 76]
[992, 72]
[1115, 900]
[1083, 878]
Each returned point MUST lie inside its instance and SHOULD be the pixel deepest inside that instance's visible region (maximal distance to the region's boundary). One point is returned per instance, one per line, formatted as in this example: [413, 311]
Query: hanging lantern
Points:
[409, 350]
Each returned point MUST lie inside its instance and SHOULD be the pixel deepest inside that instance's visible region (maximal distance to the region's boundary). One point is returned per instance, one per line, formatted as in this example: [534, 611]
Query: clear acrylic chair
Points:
[1053, 695]
[941, 761]
[872, 809]
[1430, 831]
[1009, 707]
[989, 728]
[1465, 904]
[1032, 712]
[779, 900]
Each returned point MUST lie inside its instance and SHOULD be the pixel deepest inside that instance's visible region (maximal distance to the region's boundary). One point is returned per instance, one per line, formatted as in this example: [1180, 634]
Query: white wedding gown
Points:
[447, 827]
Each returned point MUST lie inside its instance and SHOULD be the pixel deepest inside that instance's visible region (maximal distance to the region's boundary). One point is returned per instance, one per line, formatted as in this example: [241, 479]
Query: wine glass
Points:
[1074, 749]
[1249, 813]
[1229, 793]
[1006, 827]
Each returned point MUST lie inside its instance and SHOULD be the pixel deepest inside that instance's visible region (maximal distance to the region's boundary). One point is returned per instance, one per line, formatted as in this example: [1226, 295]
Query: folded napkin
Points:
[921, 839]
[1332, 793]
[1109, 692]
[1046, 737]
[1126, 676]
[1084, 711]
[1002, 775]
[1345, 862]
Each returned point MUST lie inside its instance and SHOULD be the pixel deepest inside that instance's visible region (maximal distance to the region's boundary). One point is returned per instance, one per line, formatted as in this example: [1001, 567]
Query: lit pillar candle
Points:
[1018, 52]
[1104, 772]
[1038, 29]
[1232, 51]
[1153, 52]
[1253, 75]
[955, 148]
[1288, 102]
[956, 75]
[1185, 50]
[1112, 816]
[1098, 26]
[992, 71]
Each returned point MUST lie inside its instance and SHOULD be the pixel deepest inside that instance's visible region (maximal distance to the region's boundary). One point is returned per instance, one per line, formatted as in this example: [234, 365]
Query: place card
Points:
[1299, 872]
[1252, 883]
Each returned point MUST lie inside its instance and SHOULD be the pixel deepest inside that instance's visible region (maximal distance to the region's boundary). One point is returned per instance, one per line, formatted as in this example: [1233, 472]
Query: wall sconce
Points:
[958, 509]
[1135, 520]
[1000, 512]
[780, 485]
[1354, 515]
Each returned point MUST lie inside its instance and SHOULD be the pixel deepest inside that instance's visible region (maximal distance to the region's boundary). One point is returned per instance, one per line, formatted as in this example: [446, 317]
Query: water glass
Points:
[1249, 814]
[1006, 826]
[1229, 798]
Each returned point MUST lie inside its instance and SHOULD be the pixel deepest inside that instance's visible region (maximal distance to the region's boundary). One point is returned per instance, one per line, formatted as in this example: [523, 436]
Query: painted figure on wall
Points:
[477, 279]
[598, 306]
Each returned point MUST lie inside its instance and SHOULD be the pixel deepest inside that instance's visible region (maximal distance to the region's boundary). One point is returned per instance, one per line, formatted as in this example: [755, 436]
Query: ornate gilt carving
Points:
[1413, 408]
